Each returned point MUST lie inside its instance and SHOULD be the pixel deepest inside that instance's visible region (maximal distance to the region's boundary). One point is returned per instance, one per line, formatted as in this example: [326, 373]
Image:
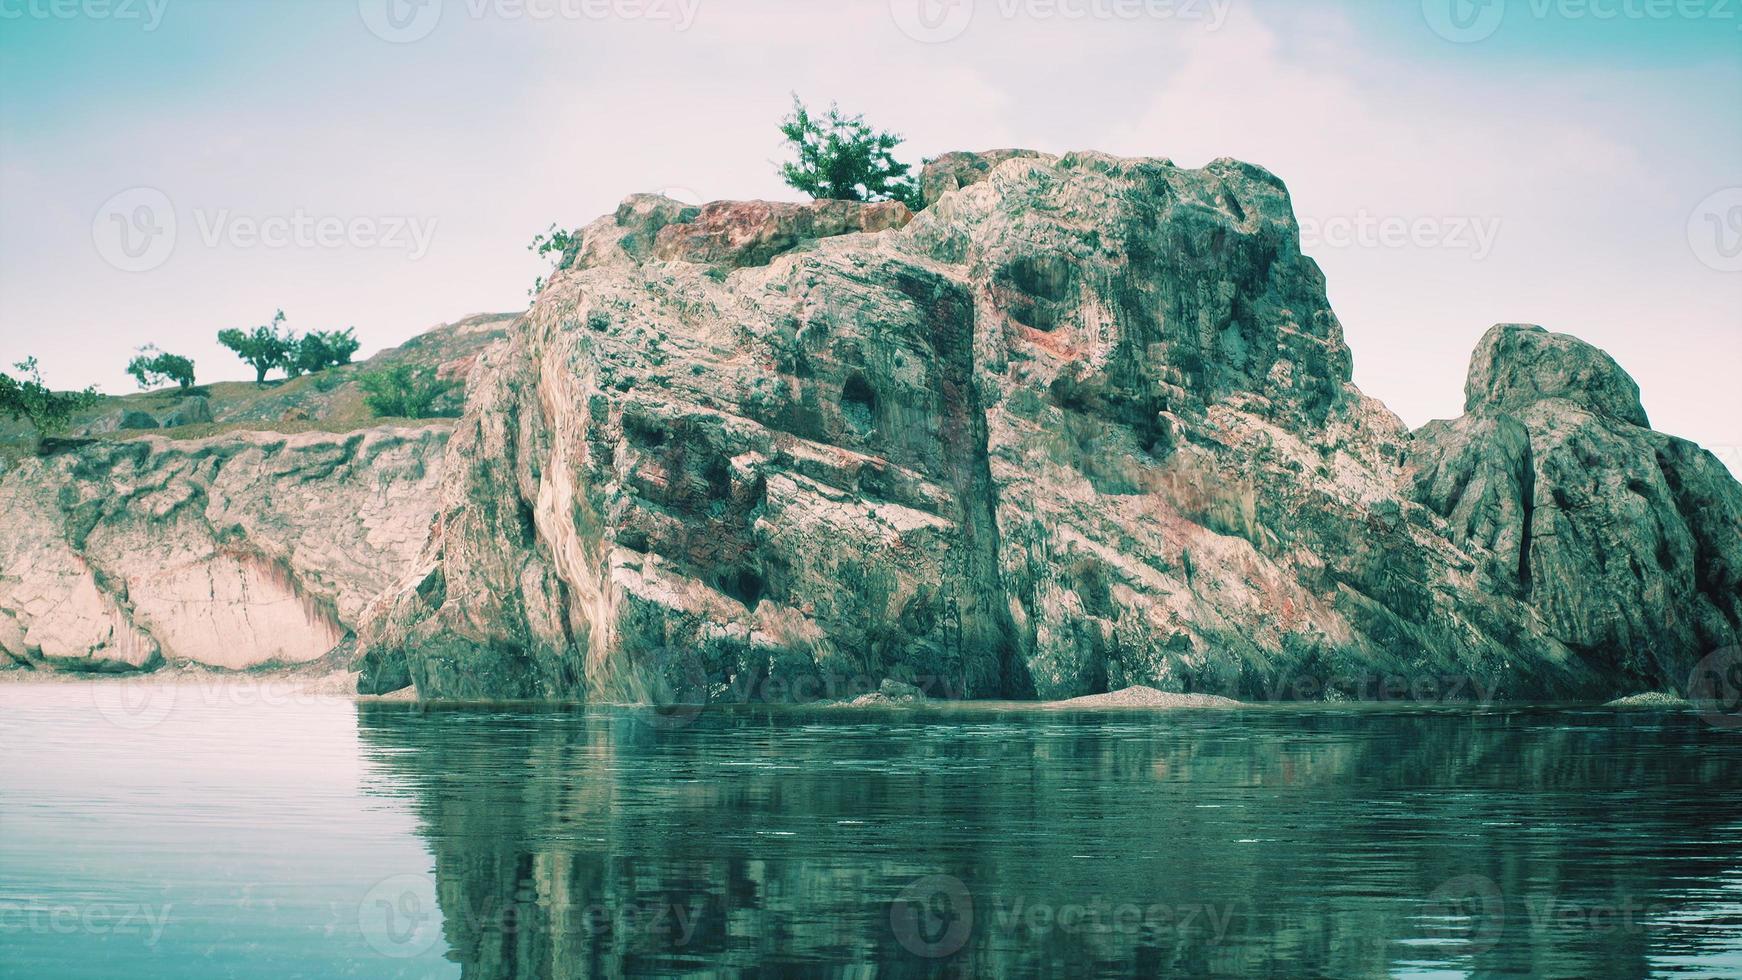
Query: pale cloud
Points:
[1548, 174]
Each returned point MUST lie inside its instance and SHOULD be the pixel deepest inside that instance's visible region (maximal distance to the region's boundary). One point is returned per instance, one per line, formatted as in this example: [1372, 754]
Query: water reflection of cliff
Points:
[1251, 843]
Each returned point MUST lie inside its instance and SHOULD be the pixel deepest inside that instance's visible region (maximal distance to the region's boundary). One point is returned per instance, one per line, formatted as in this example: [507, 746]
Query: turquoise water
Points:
[215, 832]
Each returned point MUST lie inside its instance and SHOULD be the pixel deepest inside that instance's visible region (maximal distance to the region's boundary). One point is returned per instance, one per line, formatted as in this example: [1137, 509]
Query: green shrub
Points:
[563, 244]
[318, 350]
[842, 158]
[26, 397]
[407, 391]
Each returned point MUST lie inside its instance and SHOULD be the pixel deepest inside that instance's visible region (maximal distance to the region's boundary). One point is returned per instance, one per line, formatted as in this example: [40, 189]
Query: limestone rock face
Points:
[233, 552]
[1083, 423]
[1627, 543]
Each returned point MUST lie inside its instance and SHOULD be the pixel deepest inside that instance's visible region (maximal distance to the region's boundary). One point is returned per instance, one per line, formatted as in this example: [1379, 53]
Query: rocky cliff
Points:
[232, 552]
[1083, 422]
[219, 541]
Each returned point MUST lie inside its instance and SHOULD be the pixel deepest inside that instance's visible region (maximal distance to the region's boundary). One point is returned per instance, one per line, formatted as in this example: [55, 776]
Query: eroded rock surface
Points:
[233, 552]
[1627, 543]
[1083, 423]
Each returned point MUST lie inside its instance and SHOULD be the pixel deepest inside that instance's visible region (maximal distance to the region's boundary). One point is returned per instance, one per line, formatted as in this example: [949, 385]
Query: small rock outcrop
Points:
[1623, 541]
[193, 410]
[1083, 423]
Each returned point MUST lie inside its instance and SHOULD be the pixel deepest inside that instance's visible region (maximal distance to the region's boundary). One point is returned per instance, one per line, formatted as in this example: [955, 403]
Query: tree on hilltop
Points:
[152, 367]
[843, 158]
[265, 348]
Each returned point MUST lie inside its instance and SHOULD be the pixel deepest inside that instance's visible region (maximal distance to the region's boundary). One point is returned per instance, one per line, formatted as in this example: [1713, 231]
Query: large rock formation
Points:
[1082, 423]
[1626, 542]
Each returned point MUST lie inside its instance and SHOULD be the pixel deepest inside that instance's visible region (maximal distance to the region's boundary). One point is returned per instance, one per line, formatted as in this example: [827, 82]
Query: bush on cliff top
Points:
[842, 158]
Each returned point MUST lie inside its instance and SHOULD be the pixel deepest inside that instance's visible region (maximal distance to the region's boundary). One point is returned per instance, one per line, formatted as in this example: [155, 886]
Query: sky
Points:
[170, 168]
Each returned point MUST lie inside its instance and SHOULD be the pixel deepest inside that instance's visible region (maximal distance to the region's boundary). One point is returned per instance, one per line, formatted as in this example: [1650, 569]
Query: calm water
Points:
[202, 833]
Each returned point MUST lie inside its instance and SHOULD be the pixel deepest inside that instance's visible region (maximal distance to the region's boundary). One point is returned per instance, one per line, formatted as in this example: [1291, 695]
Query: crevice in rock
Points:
[1526, 533]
